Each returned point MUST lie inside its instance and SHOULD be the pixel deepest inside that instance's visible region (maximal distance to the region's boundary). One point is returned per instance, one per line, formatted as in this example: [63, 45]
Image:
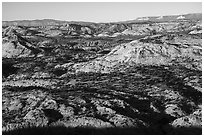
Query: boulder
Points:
[192, 120]
[66, 111]
[36, 117]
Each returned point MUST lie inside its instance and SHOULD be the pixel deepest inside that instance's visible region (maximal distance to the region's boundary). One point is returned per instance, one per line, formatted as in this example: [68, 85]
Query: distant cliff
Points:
[45, 22]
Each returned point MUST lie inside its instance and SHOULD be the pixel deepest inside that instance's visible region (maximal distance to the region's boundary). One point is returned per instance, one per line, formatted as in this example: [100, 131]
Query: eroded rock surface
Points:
[136, 76]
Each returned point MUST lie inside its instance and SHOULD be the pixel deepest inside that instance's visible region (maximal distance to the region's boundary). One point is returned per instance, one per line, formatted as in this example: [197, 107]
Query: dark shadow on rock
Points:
[173, 81]
[59, 72]
[8, 69]
[60, 130]
[21, 89]
[52, 115]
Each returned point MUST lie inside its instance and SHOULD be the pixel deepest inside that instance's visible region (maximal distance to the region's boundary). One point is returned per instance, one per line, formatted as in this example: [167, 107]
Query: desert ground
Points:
[141, 76]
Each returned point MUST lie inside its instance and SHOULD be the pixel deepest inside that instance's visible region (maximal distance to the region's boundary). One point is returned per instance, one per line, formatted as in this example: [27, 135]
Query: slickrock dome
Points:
[141, 52]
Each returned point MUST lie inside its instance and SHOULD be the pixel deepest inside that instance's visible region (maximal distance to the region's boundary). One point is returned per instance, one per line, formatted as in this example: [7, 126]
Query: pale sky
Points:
[94, 12]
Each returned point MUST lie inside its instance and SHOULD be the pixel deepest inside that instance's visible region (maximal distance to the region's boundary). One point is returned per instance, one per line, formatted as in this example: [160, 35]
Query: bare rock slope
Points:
[154, 50]
[137, 77]
[15, 46]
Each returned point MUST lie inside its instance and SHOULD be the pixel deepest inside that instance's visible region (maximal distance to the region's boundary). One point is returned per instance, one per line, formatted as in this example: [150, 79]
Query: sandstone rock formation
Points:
[15, 46]
[133, 77]
[145, 51]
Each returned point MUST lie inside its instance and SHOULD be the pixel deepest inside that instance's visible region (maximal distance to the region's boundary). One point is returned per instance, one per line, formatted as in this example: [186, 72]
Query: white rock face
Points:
[14, 46]
[36, 116]
[103, 35]
[180, 17]
[28, 82]
[130, 32]
[195, 32]
[160, 17]
[10, 50]
[116, 34]
[87, 122]
[174, 110]
[143, 18]
[136, 52]
[193, 120]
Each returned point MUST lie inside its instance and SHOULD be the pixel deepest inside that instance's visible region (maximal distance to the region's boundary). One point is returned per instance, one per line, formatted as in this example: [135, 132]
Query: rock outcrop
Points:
[146, 51]
[137, 77]
[15, 46]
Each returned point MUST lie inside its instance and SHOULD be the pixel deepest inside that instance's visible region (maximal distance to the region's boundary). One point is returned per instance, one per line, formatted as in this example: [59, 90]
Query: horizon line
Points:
[98, 22]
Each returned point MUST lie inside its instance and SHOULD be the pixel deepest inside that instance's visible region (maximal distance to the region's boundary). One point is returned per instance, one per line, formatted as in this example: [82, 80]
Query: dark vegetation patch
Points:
[22, 89]
[59, 72]
[9, 69]
[130, 87]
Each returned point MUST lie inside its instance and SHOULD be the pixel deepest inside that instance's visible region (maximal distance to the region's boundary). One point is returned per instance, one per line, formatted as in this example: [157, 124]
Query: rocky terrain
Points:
[134, 77]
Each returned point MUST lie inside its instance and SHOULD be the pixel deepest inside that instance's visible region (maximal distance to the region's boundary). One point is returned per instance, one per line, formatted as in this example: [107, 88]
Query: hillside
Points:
[142, 76]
